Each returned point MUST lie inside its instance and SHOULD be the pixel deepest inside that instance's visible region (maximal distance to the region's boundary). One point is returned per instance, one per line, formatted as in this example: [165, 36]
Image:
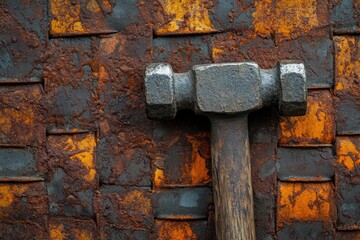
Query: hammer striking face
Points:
[226, 93]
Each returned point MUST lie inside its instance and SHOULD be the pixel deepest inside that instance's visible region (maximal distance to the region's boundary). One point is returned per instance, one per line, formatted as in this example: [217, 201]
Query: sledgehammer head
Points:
[226, 88]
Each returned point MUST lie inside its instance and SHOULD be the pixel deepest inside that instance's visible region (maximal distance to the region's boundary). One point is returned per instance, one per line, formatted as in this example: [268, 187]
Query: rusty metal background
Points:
[80, 160]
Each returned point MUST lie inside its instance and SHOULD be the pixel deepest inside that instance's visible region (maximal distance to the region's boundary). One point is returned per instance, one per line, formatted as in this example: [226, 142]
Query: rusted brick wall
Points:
[79, 159]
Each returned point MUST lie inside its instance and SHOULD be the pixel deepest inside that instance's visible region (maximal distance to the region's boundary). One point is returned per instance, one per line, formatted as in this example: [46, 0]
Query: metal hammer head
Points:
[226, 88]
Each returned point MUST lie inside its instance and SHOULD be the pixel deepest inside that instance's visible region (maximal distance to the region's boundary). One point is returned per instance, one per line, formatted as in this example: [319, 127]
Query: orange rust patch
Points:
[304, 202]
[197, 168]
[316, 127]
[12, 119]
[175, 230]
[102, 75]
[187, 16]
[78, 230]
[81, 234]
[78, 148]
[20, 115]
[216, 53]
[109, 44]
[159, 177]
[70, 228]
[83, 150]
[347, 64]
[8, 193]
[93, 6]
[348, 152]
[118, 43]
[66, 17]
[137, 200]
[193, 167]
[57, 232]
[286, 18]
[227, 47]
[72, 17]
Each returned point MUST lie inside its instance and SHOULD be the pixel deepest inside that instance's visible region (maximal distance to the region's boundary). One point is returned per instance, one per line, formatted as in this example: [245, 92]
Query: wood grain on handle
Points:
[233, 196]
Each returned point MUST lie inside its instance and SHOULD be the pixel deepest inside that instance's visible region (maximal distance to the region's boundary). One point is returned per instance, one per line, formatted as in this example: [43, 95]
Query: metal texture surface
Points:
[125, 208]
[301, 202]
[347, 94]
[62, 228]
[308, 165]
[226, 88]
[183, 203]
[316, 128]
[71, 68]
[348, 190]
[71, 192]
[263, 126]
[17, 162]
[182, 230]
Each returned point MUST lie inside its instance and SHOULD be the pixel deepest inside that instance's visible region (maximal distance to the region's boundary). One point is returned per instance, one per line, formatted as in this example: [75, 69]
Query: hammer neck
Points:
[184, 87]
[270, 86]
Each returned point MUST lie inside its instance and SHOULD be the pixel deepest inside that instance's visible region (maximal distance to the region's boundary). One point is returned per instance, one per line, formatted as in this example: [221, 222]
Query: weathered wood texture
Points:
[233, 194]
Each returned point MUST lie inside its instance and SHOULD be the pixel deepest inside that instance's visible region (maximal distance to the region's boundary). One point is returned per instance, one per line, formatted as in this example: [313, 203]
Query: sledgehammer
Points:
[226, 93]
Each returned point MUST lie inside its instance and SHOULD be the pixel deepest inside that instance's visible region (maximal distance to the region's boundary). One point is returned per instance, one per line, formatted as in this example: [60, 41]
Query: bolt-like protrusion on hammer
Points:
[225, 88]
[159, 91]
[293, 92]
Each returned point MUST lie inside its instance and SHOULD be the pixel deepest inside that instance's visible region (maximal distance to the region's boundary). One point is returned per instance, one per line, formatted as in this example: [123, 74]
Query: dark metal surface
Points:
[347, 182]
[305, 164]
[17, 162]
[182, 203]
[70, 67]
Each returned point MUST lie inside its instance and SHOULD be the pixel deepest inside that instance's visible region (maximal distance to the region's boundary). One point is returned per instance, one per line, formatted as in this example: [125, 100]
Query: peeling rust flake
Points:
[80, 151]
[179, 230]
[188, 163]
[347, 85]
[305, 202]
[185, 17]
[348, 152]
[68, 228]
[70, 18]
[125, 208]
[316, 128]
[21, 116]
[288, 19]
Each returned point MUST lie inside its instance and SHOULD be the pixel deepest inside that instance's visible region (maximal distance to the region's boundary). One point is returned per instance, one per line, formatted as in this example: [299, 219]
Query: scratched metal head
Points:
[227, 87]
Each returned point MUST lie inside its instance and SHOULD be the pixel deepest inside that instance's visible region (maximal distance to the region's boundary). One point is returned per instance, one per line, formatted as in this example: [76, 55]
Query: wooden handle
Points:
[233, 195]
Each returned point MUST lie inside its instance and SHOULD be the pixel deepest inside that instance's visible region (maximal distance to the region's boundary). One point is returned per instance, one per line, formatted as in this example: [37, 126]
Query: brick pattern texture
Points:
[80, 160]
